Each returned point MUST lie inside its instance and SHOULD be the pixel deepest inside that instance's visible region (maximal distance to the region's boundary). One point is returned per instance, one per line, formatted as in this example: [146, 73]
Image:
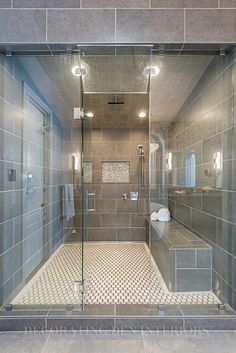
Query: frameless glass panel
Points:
[41, 187]
[191, 154]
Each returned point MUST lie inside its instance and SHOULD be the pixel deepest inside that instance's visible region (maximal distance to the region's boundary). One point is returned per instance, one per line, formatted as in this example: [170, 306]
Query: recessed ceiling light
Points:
[79, 71]
[151, 71]
[90, 115]
[142, 115]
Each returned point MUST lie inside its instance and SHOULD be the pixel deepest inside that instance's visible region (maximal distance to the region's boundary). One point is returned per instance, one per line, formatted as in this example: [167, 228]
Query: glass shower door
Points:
[88, 194]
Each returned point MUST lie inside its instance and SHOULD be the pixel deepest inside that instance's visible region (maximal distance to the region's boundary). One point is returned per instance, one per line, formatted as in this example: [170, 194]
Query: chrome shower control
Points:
[124, 196]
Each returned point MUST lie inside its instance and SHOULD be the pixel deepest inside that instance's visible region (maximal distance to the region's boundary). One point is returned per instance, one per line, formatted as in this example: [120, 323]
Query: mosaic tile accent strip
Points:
[122, 273]
[115, 172]
[88, 174]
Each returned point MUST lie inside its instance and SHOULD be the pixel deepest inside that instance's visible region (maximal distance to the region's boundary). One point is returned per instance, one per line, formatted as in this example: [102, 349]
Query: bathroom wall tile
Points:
[212, 202]
[126, 206]
[46, 3]
[221, 288]
[115, 134]
[207, 25]
[117, 220]
[183, 214]
[184, 3]
[72, 26]
[21, 26]
[101, 234]
[6, 236]
[160, 26]
[228, 3]
[223, 264]
[204, 224]
[115, 4]
[226, 236]
[5, 3]
[131, 234]
[225, 118]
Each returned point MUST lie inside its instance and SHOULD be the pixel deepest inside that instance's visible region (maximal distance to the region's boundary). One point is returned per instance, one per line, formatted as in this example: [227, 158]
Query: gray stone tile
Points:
[223, 264]
[212, 324]
[95, 342]
[72, 26]
[79, 324]
[5, 3]
[204, 258]
[204, 224]
[210, 26]
[115, 4]
[184, 3]
[6, 236]
[228, 3]
[46, 3]
[22, 342]
[22, 26]
[189, 342]
[160, 26]
[193, 280]
[23, 324]
[147, 324]
[146, 310]
[226, 236]
[185, 258]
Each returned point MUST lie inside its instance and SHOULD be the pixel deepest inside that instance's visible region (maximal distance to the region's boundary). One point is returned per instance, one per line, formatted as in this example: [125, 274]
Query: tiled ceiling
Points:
[122, 75]
[121, 115]
[176, 80]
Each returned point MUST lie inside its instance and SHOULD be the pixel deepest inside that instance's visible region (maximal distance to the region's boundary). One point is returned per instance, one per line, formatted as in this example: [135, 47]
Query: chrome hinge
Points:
[79, 114]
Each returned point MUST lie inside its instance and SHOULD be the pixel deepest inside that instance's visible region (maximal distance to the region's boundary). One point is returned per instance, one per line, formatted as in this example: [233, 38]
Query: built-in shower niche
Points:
[115, 172]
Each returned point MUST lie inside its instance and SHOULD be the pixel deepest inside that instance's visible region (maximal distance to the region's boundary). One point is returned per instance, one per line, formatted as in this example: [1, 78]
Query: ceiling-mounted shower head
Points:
[116, 100]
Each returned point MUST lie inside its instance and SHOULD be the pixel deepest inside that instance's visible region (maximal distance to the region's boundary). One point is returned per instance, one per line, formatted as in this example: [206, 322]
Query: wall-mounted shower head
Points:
[140, 150]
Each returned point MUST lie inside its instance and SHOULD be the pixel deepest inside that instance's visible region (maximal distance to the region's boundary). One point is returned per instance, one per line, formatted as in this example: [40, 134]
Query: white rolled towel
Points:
[161, 213]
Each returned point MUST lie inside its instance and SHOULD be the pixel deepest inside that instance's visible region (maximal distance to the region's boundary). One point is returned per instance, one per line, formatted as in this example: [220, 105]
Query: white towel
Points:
[159, 212]
[69, 201]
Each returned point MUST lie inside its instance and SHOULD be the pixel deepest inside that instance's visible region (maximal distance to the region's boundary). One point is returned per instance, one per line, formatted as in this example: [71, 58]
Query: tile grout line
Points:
[49, 334]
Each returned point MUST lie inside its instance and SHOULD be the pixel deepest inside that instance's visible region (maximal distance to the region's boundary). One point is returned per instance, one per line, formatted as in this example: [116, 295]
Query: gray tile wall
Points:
[29, 231]
[205, 126]
[137, 21]
[115, 218]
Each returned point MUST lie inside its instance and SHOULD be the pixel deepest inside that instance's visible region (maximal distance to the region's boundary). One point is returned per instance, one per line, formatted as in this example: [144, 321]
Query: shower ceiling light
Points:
[90, 115]
[142, 115]
[151, 71]
[79, 71]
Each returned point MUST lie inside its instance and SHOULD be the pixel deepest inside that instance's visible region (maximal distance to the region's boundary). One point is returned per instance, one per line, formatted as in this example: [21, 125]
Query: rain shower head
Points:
[116, 100]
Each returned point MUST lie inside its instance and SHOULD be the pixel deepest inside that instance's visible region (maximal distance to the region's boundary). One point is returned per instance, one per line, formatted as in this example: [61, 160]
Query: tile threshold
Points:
[113, 317]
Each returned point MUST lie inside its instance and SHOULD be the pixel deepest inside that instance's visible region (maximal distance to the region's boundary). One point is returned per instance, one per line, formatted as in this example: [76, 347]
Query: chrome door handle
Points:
[91, 194]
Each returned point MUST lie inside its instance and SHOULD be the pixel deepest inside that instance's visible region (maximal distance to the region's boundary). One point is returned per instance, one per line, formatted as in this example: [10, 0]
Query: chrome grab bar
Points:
[91, 194]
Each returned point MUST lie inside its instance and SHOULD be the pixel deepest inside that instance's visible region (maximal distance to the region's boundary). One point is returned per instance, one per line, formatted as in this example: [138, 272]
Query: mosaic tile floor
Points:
[115, 273]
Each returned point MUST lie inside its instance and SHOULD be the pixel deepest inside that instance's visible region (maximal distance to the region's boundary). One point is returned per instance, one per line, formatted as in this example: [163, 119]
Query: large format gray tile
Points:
[97, 26]
[143, 26]
[210, 26]
[21, 26]
[228, 3]
[22, 342]
[96, 343]
[184, 3]
[5, 3]
[189, 342]
[115, 4]
[46, 3]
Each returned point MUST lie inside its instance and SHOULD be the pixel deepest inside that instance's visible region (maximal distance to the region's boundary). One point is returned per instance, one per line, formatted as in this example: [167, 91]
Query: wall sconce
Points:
[76, 163]
[217, 161]
[169, 161]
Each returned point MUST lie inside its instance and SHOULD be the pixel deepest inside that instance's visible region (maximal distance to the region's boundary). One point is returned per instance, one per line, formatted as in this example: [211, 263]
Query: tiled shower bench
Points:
[183, 259]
